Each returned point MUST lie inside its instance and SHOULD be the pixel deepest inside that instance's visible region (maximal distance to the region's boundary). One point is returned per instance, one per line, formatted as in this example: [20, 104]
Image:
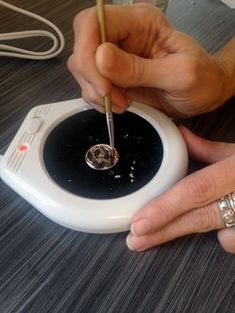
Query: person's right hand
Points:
[147, 60]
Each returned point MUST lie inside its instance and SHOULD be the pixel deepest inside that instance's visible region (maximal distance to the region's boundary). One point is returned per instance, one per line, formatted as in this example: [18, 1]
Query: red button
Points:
[23, 148]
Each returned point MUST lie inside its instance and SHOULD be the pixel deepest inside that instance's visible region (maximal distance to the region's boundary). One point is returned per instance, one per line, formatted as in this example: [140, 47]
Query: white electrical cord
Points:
[11, 51]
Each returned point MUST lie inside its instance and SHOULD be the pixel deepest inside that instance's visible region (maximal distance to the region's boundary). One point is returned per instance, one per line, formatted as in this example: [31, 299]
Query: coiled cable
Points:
[12, 51]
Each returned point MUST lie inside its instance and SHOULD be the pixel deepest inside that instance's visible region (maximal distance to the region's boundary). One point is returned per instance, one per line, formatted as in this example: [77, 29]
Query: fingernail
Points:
[136, 243]
[117, 109]
[141, 227]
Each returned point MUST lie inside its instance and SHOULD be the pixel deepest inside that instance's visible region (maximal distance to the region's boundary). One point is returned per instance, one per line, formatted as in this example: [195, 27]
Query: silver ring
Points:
[227, 209]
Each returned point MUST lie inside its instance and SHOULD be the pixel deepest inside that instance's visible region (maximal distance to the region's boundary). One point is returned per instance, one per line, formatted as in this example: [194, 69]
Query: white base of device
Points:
[230, 3]
[23, 169]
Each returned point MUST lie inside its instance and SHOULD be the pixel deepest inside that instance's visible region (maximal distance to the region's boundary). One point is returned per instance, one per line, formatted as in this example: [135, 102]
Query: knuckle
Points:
[89, 97]
[75, 65]
[168, 213]
[70, 63]
[199, 190]
[137, 70]
[81, 16]
[160, 210]
[92, 98]
[203, 219]
[80, 63]
[106, 59]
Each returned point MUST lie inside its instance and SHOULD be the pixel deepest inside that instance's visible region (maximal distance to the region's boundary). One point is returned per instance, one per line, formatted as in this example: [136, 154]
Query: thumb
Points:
[206, 150]
[126, 69]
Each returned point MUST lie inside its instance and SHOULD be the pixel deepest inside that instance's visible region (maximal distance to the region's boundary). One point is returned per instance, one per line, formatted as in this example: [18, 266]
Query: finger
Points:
[91, 97]
[72, 65]
[155, 98]
[119, 100]
[86, 41]
[227, 239]
[206, 150]
[194, 191]
[196, 221]
[89, 94]
[134, 34]
[129, 70]
[145, 95]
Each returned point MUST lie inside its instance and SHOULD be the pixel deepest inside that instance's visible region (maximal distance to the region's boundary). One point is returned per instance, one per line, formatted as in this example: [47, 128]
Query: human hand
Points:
[190, 206]
[146, 59]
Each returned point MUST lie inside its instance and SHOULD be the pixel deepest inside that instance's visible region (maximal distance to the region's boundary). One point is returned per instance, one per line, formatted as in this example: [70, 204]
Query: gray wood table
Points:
[45, 267]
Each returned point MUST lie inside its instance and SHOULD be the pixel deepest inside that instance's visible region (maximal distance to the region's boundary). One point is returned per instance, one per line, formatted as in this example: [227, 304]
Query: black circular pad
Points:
[137, 142]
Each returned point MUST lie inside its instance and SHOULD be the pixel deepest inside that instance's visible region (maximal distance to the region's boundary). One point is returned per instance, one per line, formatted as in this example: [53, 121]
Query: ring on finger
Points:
[227, 209]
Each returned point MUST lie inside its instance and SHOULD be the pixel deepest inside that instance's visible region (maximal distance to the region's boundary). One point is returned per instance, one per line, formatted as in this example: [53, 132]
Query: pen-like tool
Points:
[107, 98]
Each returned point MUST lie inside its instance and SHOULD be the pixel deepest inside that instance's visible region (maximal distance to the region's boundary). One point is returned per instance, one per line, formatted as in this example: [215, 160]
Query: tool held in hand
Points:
[107, 98]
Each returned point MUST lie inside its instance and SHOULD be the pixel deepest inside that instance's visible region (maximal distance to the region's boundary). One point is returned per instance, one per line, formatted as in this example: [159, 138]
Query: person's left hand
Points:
[191, 205]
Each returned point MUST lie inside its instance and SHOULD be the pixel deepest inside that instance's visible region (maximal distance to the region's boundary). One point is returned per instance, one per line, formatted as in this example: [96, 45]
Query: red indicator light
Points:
[23, 148]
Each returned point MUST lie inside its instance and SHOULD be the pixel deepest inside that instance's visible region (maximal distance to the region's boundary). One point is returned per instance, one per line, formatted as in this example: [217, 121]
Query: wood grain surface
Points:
[45, 267]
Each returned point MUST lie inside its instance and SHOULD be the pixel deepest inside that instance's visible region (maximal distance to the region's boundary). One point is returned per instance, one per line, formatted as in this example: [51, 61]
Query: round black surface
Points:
[139, 146]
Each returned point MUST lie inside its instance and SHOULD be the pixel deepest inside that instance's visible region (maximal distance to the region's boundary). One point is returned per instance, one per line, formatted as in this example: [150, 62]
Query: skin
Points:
[146, 59]
[190, 206]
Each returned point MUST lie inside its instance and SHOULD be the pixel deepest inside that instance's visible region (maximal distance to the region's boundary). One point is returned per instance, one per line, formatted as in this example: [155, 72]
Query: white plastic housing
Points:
[22, 168]
[230, 3]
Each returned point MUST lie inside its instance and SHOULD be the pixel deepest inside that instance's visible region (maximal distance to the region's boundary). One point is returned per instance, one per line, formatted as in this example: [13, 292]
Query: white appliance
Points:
[230, 3]
[22, 167]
